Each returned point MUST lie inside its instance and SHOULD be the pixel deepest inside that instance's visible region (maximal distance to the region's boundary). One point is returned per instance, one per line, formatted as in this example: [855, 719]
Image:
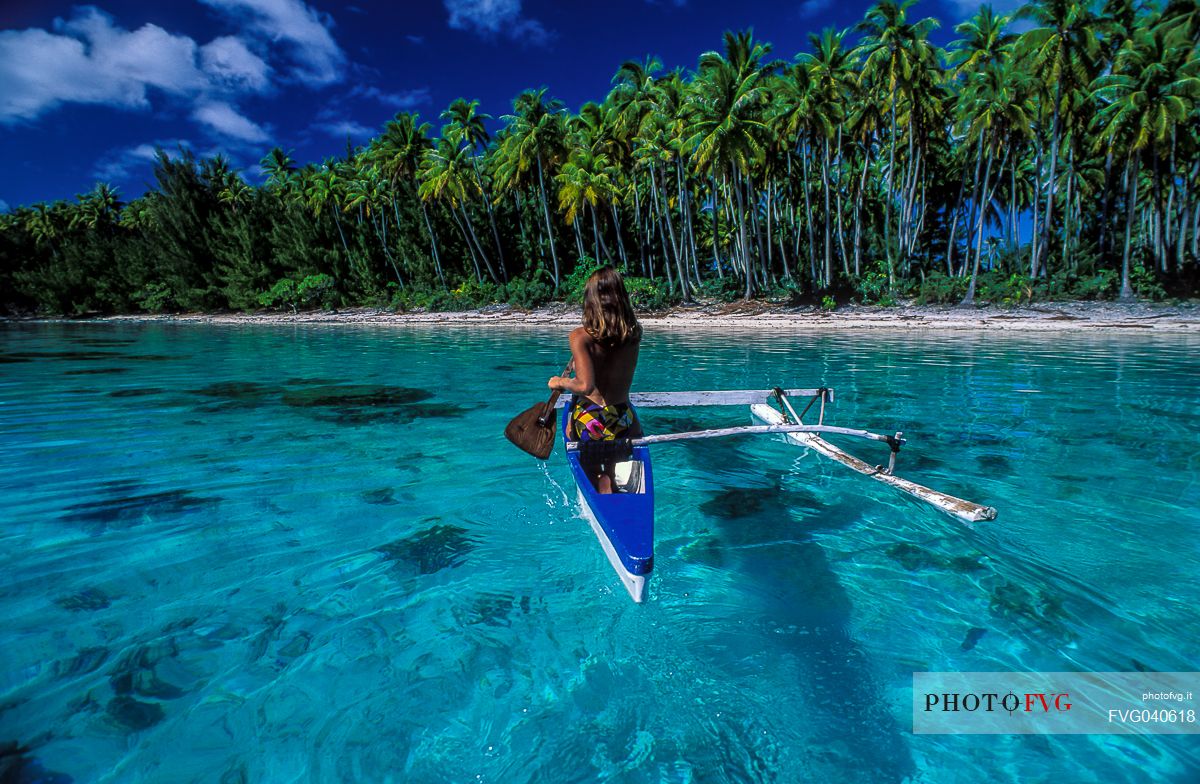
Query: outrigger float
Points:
[623, 521]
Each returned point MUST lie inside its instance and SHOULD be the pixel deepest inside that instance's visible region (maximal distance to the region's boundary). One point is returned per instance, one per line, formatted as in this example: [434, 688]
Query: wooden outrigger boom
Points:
[785, 421]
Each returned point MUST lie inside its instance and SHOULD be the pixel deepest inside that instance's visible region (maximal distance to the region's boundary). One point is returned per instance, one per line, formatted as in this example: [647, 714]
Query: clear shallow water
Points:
[307, 554]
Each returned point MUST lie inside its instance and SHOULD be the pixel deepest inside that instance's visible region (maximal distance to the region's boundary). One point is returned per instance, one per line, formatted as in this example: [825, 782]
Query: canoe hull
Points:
[622, 522]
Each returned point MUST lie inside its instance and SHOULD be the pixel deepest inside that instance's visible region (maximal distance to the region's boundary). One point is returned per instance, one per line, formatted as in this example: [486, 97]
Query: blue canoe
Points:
[623, 521]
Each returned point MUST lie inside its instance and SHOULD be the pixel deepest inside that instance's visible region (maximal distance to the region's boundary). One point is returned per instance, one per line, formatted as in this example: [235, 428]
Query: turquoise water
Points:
[308, 554]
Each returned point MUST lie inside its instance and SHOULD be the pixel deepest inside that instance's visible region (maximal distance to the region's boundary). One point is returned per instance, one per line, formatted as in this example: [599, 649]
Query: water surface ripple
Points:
[308, 554]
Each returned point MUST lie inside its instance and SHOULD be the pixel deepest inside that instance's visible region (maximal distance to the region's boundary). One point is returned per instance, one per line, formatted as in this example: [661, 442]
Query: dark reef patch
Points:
[137, 392]
[997, 465]
[236, 395]
[103, 342]
[123, 509]
[972, 638]
[359, 404]
[133, 714]
[95, 371]
[913, 558]
[432, 550]
[738, 502]
[18, 766]
[1043, 609]
[76, 356]
[84, 661]
[87, 599]
[382, 496]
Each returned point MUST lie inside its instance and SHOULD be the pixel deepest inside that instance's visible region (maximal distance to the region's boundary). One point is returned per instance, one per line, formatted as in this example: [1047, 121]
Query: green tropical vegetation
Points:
[1053, 153]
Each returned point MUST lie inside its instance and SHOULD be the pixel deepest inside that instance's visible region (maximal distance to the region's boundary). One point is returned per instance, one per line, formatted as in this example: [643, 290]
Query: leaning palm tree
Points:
[447, 177]
[397, 152]
[465, 123]
[534, 141]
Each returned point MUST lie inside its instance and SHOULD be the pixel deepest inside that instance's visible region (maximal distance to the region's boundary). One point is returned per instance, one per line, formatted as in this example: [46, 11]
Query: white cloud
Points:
[318, 58]
[93, 61]
[968, 8]
[229, 60]
[405, 99]
[490, 18]
[813, 7]
[117, 165]
[344, 128]
[226, 121]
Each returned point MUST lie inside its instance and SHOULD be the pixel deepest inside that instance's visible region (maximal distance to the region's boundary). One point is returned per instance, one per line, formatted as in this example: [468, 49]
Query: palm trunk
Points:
[828, 236]
[546, 214]
[487, 202]
[987, 172]
[437, 262]
[1048, 226]
[812, 246]
[716, 251]
[1132, 187]
[475, 238]
[741, 210]
[612, 205]
[467, 240]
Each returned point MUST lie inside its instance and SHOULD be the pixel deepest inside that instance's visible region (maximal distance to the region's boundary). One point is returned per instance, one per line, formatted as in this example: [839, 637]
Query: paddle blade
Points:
[533, 430]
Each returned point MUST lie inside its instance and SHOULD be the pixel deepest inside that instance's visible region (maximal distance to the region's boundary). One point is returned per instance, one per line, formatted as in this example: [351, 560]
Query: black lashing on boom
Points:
[777, 393]
[821, 392]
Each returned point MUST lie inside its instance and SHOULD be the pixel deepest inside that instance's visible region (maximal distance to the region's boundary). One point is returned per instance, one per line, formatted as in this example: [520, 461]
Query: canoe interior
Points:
[624, 520]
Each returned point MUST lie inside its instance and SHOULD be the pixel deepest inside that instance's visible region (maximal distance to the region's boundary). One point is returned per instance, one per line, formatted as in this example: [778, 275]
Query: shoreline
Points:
[1091, 317]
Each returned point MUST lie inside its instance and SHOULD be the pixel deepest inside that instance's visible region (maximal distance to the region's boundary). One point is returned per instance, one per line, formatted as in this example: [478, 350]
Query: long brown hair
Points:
[607, 312]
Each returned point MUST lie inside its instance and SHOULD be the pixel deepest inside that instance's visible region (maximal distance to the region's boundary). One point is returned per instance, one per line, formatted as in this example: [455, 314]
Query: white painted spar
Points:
[724, 397]
[962, 509]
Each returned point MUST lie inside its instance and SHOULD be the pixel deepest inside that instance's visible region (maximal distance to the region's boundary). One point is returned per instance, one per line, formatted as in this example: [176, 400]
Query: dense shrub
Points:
[872, 287]
[648, 294]
[1146, 284]
[528, 293]
[941, 289]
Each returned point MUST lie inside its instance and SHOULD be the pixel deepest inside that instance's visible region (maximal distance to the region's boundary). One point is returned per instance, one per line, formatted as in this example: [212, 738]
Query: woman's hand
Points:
[556, 382]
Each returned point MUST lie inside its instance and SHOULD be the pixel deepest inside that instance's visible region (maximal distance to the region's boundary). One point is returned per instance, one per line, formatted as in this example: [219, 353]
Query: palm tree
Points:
[1152, 91]
[997, 119]
[280, 170]
[535, 142]
[894, 52]
[726, 128]
[398, 152]
[98, 209]
[985, 40]
[466, 124]
[447, 176]
[1062, 54]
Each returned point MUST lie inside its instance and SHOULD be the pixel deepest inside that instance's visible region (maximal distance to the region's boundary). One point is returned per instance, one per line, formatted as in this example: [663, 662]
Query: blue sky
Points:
[88, 91]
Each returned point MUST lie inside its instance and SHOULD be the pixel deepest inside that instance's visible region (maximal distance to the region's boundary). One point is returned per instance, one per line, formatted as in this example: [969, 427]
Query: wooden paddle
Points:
[533, 429]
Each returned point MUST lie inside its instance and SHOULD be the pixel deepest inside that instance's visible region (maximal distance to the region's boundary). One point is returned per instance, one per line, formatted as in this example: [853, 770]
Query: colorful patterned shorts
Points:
[593, 422]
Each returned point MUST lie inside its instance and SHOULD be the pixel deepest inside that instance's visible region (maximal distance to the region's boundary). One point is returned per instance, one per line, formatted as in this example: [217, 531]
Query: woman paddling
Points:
[604, 355]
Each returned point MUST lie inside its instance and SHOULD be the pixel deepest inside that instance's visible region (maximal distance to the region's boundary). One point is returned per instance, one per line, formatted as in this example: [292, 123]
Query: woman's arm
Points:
[585, 375]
